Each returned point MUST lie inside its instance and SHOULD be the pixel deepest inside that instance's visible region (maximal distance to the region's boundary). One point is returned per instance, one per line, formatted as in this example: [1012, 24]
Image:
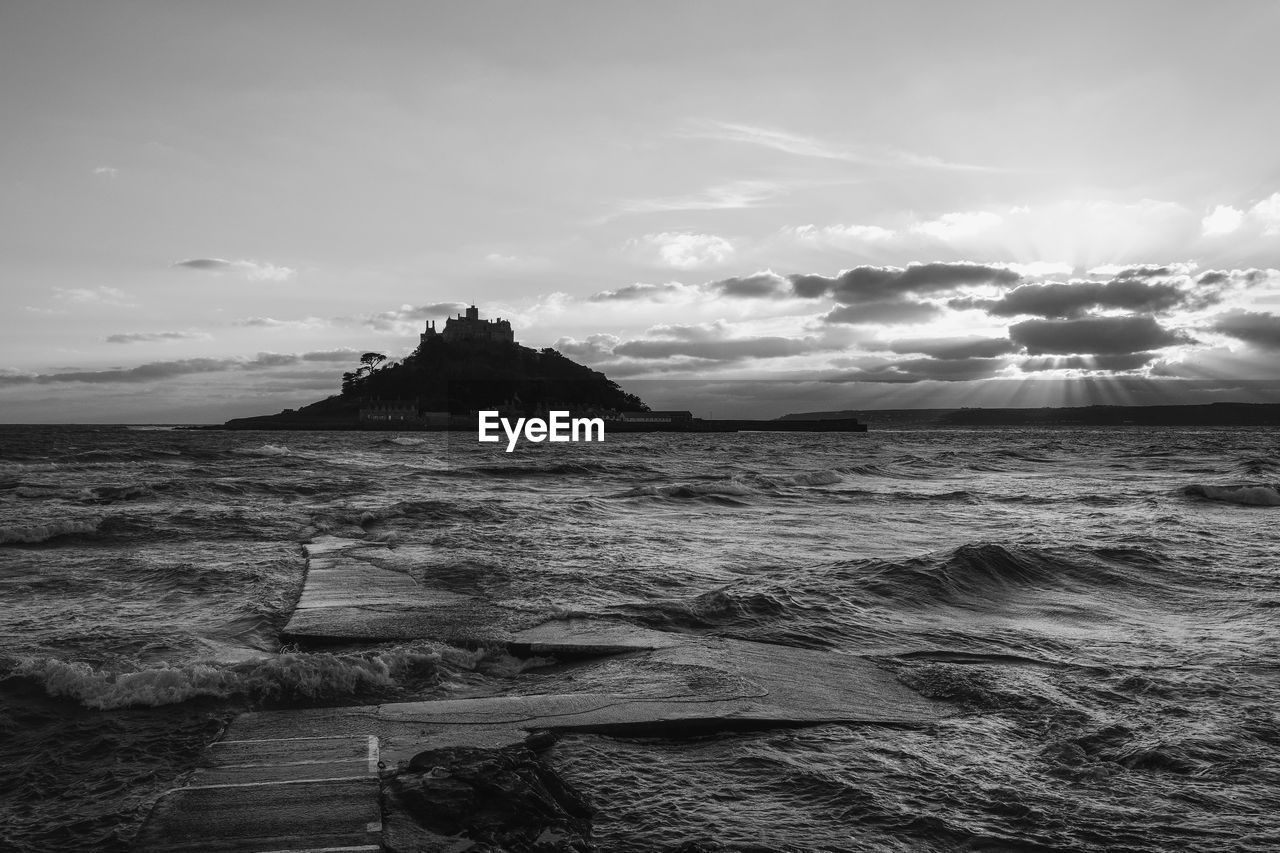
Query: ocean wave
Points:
[416, 510]
[814, 478]
[983, 575]
[36, 533]
[290, 677]
[139, 454]
[1257, 466]
[1244, 494]
[727, 493]
[553, 469]
[263, 450]
[111, 494]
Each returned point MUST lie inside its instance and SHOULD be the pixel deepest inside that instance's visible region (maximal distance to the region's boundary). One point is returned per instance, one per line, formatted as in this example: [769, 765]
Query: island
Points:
[473, 365]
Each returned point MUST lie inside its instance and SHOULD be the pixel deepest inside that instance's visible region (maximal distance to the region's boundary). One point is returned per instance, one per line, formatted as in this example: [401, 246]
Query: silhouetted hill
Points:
[459, 378]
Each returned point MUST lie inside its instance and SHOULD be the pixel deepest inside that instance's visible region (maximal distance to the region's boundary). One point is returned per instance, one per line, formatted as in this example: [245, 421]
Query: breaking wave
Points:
[286, 678]
[1244, 494]
[728, 493]
[264, 450]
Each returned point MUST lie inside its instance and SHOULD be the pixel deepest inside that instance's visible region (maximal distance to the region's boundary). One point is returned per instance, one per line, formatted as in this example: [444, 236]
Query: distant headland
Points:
[474, 365]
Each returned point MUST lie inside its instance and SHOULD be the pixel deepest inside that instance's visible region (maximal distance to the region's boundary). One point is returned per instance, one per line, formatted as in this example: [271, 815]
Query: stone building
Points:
[470, 328]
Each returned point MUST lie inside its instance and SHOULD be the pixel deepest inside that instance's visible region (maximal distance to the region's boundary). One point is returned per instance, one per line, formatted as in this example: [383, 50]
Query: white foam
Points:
[264, 450]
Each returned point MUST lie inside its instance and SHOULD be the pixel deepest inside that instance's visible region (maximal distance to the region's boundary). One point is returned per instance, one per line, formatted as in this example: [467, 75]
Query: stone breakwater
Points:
[433, 775]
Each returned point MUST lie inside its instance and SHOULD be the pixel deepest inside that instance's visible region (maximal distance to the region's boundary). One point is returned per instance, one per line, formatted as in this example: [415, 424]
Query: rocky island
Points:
[475, 364]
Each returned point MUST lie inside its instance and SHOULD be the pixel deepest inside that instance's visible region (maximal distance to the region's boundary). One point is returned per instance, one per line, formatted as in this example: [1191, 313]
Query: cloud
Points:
[1077, 297]
[777, 140]
[593, 350]
[1223, 219]
[1093, 336]
[736, 195]
[870, 284]
[158, 371]
[107, 171]
[675, 346]
[758, 285]
[339, 354]
[735, 349]
[1261, 330]
[682, 250]
[641, 292]
[927, 369]
[399, 319]
[151, 372]
[885, 311]
[148, 337]
[99, 295]
[1238, 279]
[808, 146]
[838, 235]
[955, 348]
[1262, 215]
[250, 270]
[1039, 268]
[959, 226]
[1112, 363]
[1267, 214]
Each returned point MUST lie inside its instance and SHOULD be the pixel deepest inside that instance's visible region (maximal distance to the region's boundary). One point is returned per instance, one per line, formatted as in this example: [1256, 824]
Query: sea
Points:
[1100, 607]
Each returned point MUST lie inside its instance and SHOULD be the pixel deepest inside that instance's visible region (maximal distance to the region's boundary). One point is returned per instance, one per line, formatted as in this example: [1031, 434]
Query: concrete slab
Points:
[253, 796]
[346, 596]
[698, 686]
[588, 638]
[309, 779]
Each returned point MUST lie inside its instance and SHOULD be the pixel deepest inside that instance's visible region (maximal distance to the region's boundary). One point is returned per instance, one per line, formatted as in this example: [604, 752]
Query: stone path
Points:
[289, 793]
[309, 779]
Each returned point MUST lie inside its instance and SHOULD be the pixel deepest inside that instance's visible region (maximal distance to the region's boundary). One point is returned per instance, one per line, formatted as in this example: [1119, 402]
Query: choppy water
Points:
[1102, 605]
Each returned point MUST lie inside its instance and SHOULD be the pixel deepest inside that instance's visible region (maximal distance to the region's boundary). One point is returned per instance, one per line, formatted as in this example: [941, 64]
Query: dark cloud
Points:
[252, 270]
[955, 348]
[760, 285]
[1113, 363]
[162, 370]
[1077, 297]
[874, 284]
[887, 311]
[147, 337]
[143, 373]
[204, 264]
[341, 354]
[1261, 330]
[1144, 271]
[1237, 278]
[700, 332]
[1093, 336]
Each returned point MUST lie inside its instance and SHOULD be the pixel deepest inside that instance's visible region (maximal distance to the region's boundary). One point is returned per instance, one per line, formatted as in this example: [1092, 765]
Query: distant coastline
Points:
[1199, 415]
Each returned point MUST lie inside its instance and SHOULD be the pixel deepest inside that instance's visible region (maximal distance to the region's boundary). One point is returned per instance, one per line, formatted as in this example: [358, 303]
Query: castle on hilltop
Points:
[470, 328]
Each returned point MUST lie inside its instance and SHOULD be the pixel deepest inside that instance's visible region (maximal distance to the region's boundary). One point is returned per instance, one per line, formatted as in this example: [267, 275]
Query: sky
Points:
[210, 210]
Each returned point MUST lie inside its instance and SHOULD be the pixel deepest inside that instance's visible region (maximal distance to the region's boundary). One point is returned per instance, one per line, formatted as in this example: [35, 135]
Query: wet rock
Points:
[484, 801]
